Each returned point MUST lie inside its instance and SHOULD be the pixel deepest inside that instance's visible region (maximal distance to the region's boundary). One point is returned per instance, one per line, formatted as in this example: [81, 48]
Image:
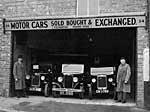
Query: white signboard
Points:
[72, 68]
[102, 70]
[75, 23]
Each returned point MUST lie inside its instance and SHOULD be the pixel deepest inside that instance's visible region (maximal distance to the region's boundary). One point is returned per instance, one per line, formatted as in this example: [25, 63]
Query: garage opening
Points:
[94, 47]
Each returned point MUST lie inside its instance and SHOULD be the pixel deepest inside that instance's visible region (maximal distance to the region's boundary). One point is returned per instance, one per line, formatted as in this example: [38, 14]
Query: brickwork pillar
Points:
[5, 60]
[142, 39]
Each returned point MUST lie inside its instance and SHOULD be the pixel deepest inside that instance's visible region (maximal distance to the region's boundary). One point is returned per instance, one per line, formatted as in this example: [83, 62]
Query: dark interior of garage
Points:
[95, 47]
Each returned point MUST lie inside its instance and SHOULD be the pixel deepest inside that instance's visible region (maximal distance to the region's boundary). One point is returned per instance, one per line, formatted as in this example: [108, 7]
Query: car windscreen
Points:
[35, 67]
[72, 68]
[102, 70]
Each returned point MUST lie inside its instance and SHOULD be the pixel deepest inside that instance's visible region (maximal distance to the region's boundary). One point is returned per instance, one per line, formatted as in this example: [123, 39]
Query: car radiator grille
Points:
[102, 82]
[36, 80]
[68, 80]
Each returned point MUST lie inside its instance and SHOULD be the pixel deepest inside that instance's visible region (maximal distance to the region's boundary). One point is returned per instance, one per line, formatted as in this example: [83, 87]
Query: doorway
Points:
[96, 47]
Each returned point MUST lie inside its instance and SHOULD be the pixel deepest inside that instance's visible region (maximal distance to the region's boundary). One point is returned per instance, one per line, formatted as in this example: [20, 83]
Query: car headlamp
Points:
[27, 77]
[42, 77]
[60, 79]
[36, 73]
[93, 80]
[75, 79]
[110, 79]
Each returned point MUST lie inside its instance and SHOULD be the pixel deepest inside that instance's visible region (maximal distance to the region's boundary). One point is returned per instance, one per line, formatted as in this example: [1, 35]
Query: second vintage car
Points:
[69, 81]
[102, 81]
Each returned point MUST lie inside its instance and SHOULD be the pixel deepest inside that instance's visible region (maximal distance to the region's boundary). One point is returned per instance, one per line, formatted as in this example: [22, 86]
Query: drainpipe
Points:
[148, 25]
[147, 16]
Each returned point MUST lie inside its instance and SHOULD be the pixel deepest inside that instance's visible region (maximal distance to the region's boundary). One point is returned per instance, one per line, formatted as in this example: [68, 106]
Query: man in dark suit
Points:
[19, 75]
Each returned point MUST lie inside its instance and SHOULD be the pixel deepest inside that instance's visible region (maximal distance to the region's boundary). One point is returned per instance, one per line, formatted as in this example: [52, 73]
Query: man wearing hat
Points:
[123, 80]
[19, 76]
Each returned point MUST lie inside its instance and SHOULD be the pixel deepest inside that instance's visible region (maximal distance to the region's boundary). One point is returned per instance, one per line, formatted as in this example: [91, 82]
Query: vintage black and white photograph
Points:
[74, 55]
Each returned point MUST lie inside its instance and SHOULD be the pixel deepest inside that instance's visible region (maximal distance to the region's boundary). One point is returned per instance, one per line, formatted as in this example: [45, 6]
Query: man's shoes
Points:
[123, 101]
[18, 97]
[118, 100]
[25, 96]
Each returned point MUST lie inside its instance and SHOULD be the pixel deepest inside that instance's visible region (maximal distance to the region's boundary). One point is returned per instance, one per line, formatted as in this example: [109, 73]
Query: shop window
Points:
[93, 7]
[87, 7]
[82, 7]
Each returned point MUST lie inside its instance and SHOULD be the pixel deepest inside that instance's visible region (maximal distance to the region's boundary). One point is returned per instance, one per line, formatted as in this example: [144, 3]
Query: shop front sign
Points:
[75, 23]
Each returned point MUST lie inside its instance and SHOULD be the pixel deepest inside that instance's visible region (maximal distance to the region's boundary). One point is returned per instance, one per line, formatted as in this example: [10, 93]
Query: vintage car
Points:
[40, 79]
[102, 81]
[69, 81]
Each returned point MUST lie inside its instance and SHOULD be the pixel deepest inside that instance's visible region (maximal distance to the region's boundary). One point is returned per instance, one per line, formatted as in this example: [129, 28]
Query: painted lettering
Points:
[115, 21]
[57, 23]
[39, 24]
[76, 22]
[20, 25]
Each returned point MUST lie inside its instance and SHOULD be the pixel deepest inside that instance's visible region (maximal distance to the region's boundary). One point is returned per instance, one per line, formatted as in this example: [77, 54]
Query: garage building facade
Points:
[19, 16]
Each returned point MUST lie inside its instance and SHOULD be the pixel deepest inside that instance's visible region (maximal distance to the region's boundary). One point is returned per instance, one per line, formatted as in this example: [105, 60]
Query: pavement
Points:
[49, 104]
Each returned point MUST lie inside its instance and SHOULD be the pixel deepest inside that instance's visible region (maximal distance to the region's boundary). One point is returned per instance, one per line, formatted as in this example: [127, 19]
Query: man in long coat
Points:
[19, 76]
[123, 80]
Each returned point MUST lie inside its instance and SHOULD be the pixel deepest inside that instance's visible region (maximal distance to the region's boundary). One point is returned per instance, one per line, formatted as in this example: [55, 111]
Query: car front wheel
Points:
[81, 95]
[47, 90]
[90, 93]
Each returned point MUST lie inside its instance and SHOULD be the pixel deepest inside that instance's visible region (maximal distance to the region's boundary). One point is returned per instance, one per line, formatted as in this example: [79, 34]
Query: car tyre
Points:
[81, 95]
[47, 90]
[90, 93]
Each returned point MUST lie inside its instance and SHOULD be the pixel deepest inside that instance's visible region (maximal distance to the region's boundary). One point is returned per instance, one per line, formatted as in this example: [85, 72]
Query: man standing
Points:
[19, 75]
[123, 80]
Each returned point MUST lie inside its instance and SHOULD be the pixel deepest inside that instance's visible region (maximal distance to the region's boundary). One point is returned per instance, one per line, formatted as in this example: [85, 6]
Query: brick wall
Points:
[5, 56]
[142, 41]
[119, 6]
[31, 8]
